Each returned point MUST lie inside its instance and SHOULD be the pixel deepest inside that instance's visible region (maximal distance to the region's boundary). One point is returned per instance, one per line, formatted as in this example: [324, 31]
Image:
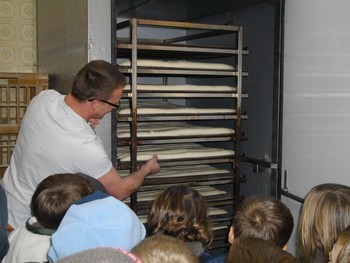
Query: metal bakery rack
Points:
[183, 103]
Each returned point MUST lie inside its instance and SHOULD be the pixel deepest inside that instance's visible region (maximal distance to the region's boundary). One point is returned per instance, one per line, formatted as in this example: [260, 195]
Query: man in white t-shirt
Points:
[56, 136]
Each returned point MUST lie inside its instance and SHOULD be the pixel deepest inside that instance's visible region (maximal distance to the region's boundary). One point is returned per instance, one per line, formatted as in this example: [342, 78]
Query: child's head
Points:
[55, 194]
[181, 212]
[253, 249]
[164, 249]
[344, 254]
[265, 217]
[325, 213]
[101, 254]
[342, 240]
[97, 220]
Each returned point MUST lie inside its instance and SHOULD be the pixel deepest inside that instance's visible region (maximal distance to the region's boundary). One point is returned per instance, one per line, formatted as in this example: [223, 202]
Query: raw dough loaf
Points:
[164, 107]
[203, 190]
[184, 87]
[178, 64]
[173, 151]
[170, 129]
[212, 211]
[182, 171]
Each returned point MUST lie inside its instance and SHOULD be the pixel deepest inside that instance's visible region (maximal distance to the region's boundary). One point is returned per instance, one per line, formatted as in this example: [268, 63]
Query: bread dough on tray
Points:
[203, 190]
[212, 211]
[182, 171]
[183, 88]
[172, 151]
[171, 129]
[164, 107]
[179, 64]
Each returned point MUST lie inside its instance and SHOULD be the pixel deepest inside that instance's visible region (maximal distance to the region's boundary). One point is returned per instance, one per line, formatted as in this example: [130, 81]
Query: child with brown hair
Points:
[97, 220]
[265, 217]
[325, 213]
[180, 211]
[344, 254]
[101, 254]
[256, 250]
[343, 241]
[260, 216]
[164, 249]
[51, 200]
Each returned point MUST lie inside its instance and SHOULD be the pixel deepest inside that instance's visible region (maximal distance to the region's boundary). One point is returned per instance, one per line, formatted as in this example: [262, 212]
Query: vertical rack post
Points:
[133, 130]
[239, 114]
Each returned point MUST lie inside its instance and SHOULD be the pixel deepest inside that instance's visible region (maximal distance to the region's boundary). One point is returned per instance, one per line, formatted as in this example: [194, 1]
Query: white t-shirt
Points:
[26, 246]
[52, 139]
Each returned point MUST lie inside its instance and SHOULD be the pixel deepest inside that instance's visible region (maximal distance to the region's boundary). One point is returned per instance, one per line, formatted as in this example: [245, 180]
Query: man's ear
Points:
[231, 235]
[285, 247]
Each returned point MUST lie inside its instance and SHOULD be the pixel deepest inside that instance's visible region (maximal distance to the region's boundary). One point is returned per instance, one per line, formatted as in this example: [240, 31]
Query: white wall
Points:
[99, 47]
[61, 40]
[316, 117]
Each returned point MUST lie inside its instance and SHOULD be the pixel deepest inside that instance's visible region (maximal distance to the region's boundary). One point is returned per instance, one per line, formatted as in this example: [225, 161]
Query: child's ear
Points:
[231, 235]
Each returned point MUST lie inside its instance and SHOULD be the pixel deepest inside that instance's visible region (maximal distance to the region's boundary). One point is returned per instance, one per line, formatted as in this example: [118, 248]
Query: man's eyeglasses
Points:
[107, 102]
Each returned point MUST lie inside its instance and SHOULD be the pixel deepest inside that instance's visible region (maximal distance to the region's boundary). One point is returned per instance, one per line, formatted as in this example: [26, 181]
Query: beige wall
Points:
[18, 36]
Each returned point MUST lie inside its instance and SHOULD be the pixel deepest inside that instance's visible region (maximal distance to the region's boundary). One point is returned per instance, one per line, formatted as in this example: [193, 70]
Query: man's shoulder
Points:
[46, 96]
[49, 93]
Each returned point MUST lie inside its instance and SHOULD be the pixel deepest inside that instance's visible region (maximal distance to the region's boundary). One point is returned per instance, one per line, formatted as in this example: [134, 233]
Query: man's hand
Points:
[151, 166]
[120, 187]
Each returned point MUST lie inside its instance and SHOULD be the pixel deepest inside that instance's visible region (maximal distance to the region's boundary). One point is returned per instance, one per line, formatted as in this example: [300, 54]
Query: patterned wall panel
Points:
[18, 36]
